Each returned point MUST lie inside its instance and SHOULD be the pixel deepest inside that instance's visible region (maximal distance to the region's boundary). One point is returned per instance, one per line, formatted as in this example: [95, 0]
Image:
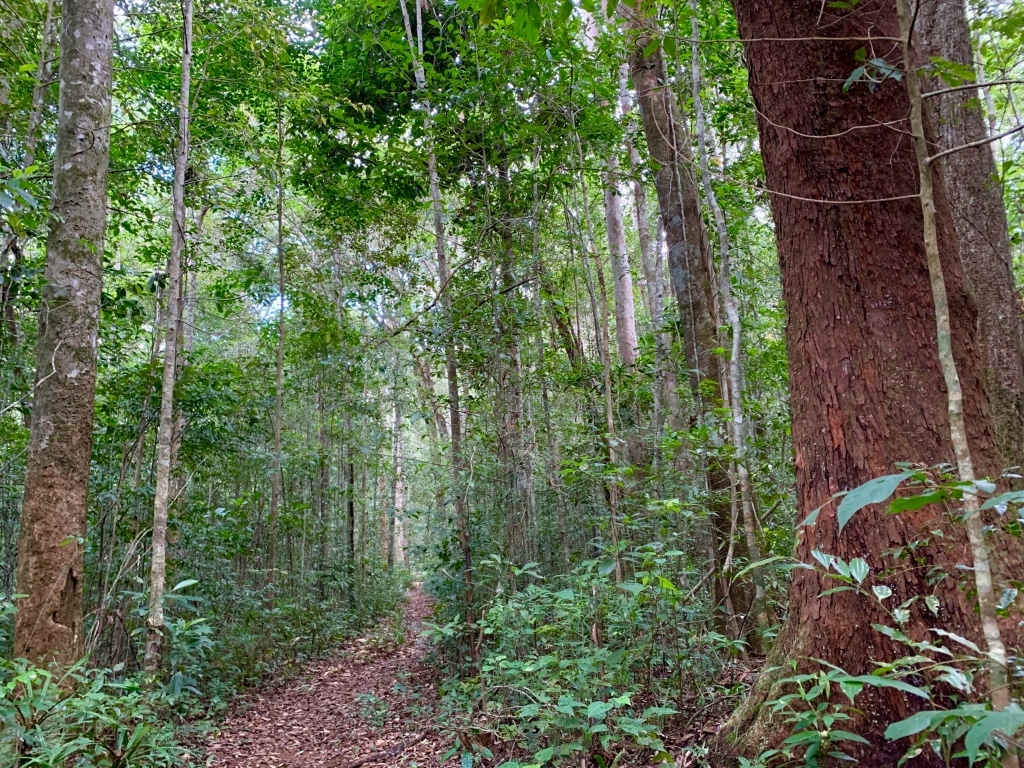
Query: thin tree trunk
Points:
[689, 259]
[451, 360]
[275, 470]
[42, 84]
[165, 430]
[625, 312]
[397, 549]
[604, 351]
[48, 624]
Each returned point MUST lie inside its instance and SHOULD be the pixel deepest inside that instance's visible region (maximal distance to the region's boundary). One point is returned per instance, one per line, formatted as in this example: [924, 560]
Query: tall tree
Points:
[690, 265]
[172, 317]
[971, 184]
[866, 385]
[48, 624]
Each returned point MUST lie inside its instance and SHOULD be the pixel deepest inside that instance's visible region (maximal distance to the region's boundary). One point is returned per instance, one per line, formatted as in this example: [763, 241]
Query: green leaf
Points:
[597, 709]
[564, 12]
[1008, 722]
[544, 755]
[632, 587]
[886, 682]
[759, 564]
[882, 592]
[859, 569]
[1000, 501]
[910, 503]
[872, 492]
[920, 721]
[840, 735]
[184, 584]
[958, 638]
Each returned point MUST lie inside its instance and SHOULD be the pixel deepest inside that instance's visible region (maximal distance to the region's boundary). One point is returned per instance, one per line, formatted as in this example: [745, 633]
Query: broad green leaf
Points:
[859, 569]
[1009, 721]
[872, 492]
[916, 723]
[958, 638]
[882, 592]
[1010, 497]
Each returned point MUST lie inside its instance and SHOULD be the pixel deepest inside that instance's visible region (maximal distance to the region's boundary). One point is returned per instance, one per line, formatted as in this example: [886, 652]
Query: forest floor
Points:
[372, 704]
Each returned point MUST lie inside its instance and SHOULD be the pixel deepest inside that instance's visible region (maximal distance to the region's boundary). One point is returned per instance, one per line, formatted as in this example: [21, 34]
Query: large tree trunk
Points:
[689, 263]
[172, 315]
[866, 385]
[48, 624]
[979, 220]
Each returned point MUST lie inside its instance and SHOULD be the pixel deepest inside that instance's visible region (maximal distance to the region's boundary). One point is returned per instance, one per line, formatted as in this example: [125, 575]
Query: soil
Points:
[372, 704]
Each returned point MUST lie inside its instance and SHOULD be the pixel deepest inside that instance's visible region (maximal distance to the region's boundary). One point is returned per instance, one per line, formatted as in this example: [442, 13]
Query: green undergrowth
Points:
[219, 645]
[578, 666]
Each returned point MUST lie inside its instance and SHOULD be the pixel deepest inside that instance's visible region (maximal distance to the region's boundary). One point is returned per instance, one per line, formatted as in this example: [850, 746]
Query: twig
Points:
[375, 757]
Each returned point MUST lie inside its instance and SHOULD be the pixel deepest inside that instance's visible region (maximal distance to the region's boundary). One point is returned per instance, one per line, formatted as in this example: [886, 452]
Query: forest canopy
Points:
[511, 383]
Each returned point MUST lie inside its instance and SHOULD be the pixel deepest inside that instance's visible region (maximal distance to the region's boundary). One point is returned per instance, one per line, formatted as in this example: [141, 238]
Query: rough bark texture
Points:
[689, 259]
[866, 386]
[48, 624]
[975, 197]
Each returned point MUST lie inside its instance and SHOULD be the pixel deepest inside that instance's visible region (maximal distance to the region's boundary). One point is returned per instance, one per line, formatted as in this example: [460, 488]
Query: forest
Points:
[511, 383]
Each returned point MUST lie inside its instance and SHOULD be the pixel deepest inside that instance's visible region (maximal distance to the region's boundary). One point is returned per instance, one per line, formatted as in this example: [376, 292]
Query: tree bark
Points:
[625, 312]
[172, 315]
[972, 187]
[275, 470]
[451, 358]
[48, 624]
[689, 260]
[866, 385]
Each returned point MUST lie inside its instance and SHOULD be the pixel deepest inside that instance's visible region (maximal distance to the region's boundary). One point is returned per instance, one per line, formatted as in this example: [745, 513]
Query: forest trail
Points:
[371, 704]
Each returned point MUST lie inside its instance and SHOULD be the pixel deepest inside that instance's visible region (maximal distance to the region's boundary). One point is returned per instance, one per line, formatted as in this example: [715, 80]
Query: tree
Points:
[50, 549]
[172, 318]
[690, 266]
[970, 182]
[866, 385]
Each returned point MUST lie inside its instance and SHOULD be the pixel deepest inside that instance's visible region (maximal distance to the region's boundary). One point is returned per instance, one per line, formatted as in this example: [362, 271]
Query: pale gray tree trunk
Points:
[172, 313]
[48, 624]
[275, 471]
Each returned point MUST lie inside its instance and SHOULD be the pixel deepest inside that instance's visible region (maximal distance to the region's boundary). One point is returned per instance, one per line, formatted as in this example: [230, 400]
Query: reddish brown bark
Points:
[866, 388]
[48, 624]
[979, 220]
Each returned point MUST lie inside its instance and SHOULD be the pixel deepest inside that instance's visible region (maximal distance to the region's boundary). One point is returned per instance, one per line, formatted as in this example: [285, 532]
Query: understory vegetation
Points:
[674, 349]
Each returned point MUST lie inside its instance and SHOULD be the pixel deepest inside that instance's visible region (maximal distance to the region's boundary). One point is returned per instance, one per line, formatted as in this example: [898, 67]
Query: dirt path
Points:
[374, 700]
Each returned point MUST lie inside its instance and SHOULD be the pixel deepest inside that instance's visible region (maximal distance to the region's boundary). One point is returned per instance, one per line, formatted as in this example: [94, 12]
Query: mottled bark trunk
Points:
[973, 189]
[172, 315]
[866, 385]
[625, 312]
[48, 624]
[735, 362]
[689, 260]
